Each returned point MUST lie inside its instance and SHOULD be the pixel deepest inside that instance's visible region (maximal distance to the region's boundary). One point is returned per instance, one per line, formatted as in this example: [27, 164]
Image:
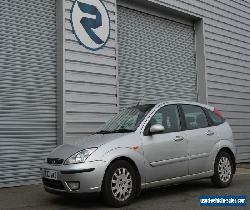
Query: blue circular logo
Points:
[90, 23]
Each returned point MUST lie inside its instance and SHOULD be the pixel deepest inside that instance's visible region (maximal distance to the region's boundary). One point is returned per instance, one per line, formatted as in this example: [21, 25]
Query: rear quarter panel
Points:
[225, 132]
[226, 140]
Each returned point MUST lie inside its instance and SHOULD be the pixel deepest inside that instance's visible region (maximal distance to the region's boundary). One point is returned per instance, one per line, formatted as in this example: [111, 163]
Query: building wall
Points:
[227, 48]
[90, 80]
[91, 77]
[27, 89]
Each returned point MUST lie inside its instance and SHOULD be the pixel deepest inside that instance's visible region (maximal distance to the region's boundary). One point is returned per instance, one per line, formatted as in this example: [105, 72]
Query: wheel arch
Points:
[229, 151]
[133, 164]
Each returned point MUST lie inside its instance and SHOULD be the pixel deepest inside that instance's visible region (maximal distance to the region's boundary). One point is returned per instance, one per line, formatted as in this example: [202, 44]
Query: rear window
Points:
[215, 119]
[194, 117]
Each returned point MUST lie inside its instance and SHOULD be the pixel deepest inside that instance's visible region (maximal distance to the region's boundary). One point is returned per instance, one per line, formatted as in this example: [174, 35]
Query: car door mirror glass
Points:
[157, 128]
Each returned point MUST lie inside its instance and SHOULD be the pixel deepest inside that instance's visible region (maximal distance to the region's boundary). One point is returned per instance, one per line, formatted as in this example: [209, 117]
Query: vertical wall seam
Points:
[60, 25]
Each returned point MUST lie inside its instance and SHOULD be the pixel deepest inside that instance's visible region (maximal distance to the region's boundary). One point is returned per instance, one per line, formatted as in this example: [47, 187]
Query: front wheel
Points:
[223, 170]
[119, 184]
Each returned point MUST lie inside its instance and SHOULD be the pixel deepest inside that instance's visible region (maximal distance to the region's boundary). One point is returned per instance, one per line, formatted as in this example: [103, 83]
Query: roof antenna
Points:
[140, 99]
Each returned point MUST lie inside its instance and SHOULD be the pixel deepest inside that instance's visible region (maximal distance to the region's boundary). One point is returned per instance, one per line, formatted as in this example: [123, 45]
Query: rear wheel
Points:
[223, 170]
[119, 184]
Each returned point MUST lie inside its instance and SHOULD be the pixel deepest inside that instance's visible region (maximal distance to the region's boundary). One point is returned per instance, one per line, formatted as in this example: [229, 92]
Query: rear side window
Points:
[194, 117]
[216, 120]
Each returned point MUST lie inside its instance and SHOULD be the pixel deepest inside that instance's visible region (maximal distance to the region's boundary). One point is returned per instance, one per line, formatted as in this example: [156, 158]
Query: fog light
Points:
[74, 185]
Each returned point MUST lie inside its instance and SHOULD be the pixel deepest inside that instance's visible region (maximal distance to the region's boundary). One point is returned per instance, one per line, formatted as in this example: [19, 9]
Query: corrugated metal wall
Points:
[156, 58]
[227, 40]
[90, 80]
[27, 88]
[91, 76]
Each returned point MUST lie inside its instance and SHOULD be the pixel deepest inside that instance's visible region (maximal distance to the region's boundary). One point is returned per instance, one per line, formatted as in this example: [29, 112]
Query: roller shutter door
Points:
[27, 88]
[156, 58]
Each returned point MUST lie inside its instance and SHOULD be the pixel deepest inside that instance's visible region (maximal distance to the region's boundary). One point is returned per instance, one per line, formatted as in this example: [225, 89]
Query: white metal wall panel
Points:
[27, 88]
[227, 47]
[90, 80]
[156, 58]
[227, 40]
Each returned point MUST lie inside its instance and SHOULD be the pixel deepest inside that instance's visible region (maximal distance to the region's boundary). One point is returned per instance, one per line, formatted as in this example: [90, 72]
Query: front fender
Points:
[126, 152]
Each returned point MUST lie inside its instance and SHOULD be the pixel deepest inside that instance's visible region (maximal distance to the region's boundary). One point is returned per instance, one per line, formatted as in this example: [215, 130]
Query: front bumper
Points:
[88, 174]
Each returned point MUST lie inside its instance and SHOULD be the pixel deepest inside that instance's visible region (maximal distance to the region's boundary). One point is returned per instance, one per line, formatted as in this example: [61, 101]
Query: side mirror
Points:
[157, 128]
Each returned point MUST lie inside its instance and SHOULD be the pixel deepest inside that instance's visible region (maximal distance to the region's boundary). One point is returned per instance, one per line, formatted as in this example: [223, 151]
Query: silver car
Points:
[145, 146]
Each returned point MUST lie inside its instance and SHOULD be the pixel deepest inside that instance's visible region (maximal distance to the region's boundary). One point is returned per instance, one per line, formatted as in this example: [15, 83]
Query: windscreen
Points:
[127, 120]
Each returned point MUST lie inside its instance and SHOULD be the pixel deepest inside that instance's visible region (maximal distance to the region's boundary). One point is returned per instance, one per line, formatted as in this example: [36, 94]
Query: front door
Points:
[165, 153]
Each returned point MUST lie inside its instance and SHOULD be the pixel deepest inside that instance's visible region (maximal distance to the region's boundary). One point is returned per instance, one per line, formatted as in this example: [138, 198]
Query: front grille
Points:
[54, 161]
[55, 184]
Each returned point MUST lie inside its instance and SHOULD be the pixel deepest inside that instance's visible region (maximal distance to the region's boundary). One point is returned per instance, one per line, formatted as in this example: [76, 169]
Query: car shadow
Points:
[95, 201]
[78, 201]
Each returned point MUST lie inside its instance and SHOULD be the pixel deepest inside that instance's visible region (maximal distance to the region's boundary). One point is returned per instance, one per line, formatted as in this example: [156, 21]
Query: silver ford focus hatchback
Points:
[145, 146]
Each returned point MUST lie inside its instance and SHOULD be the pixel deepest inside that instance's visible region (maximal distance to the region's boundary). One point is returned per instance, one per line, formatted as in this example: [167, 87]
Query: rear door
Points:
[201, 138]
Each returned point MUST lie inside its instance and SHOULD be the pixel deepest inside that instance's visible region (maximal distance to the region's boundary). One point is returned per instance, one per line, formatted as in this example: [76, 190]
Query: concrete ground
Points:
[179, 197]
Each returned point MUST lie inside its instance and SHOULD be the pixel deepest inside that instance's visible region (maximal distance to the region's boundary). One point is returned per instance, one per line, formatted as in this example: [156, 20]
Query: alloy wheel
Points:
[224, 169]
[121, 184]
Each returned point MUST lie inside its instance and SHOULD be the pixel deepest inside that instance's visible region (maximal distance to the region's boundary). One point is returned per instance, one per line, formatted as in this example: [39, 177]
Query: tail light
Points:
[218, 113]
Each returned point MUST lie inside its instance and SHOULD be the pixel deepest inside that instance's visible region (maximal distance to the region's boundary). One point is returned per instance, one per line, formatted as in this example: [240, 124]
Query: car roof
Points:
[157, 104]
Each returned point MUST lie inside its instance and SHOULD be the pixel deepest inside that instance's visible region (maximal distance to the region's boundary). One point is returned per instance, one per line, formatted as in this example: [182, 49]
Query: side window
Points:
[194, 117]
[168, 116]
[216, 120]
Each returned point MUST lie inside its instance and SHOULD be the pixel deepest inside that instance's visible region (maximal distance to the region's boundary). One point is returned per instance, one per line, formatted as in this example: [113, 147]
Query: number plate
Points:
[50, 174]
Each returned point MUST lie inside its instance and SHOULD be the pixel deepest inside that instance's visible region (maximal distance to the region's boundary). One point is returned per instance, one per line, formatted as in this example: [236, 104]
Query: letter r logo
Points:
[90, 23]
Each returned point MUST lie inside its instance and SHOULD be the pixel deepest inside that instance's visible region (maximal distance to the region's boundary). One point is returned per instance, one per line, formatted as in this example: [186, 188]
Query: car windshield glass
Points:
[127, 120]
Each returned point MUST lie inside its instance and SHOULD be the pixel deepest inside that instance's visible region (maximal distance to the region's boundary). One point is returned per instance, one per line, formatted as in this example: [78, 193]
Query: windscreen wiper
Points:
[103, 132]
[123, 130]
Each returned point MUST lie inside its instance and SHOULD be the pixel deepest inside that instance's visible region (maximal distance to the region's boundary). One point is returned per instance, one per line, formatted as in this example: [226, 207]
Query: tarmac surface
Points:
[178, 197]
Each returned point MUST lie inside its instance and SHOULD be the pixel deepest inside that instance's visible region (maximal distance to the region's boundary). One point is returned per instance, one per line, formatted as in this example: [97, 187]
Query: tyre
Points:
[119, 184]
[223, 170]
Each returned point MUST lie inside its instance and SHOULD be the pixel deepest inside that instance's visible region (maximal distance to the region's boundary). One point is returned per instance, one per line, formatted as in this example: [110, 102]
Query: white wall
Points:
[91, 76]
[90, 80]
[227, 40]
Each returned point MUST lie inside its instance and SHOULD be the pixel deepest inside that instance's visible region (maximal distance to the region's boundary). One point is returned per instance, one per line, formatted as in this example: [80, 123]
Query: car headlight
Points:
[79, 157]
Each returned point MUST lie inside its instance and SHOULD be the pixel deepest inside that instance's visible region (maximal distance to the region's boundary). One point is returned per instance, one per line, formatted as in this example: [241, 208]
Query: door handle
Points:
[209, 133]
[179, 138]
